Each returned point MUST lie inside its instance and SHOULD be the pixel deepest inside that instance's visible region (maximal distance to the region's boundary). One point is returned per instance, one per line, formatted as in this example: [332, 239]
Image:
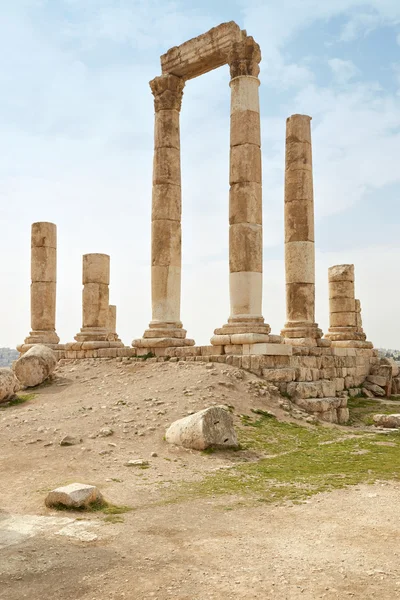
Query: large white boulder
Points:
[75, 495]
[211, 427]
[9, 384]
[35, 366]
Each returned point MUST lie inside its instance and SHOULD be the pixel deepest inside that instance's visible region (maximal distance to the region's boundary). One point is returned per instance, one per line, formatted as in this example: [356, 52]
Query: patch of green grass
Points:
[146, 356]
[362, 409]
[263, 413]
[19, 399]
[98, 506]
[301, 462]
[113, 519]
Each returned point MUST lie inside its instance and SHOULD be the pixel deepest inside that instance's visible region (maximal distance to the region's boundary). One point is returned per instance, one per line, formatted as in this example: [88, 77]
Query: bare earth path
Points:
[336, 545]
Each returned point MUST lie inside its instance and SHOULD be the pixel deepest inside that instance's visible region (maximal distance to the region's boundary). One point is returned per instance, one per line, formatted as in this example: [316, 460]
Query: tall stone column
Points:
[43, 286]
[299, 233]
[165, 328]
[95, 298]
[245, 199]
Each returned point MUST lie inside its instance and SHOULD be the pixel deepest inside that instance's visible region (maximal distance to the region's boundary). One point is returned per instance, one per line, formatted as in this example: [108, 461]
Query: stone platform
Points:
[75, 350]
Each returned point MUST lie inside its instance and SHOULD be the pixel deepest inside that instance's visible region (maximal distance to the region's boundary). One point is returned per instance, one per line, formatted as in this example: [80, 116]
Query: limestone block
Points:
[322, 343]
[390, 421]
[188, 351]
[157, 333]
[392, 363]
[166, 202]
[341, 289]
[43, 263]
[300, 302]
[166, 129]
[166, 166]
[303, 389]
[211, 427]
[298, 185]
[245, 203]
[339, 384]
[43, 305]
[44, 235]
[268, 349]
[95, 303]
[35, 366]
[75, 495]
[245, 164]
[299, 221]
[256, 364]
[233, 349]
[300, 262]
[245, 243]
[96, 268]
[249, 338]
[341, 305]
[330, 416]
[318, 404]
[328, 388]
[246, 293]
[245, 128]
[396, 386]
[375, 389]
[341, 273]
[220, 340]
[166, 243]
[247, 327]
[343, 319]
[279, 375]
[303, 374]
[298, 155]
[9, 384]
[166, 285]
[244, 95]
[203, 53]
[377, 380]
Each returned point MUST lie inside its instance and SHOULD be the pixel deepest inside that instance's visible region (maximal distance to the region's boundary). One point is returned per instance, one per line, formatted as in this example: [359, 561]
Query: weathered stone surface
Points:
[390, 421]
[70, 440]
[377, 380]
[341, 273]
[35, 366]
[375, 389]
[211, 427]
[318, 404]
[96, 268]
[391, 362]
[300, 262]
[268, 349]
[9, 384]
[75, 495]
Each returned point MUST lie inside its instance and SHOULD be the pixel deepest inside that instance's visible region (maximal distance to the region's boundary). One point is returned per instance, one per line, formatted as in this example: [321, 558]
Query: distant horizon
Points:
[77, 144]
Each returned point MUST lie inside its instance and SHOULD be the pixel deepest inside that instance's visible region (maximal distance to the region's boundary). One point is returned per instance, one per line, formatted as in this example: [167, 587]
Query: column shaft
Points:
[299, 233]
[43, 286]
[343, 312]
[95, 298]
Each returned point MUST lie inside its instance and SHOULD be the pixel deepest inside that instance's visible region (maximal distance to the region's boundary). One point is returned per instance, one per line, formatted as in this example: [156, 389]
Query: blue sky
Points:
[76, 118]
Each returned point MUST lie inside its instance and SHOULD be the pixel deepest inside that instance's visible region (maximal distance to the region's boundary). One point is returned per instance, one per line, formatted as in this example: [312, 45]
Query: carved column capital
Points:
[167, 91]
[244, 58]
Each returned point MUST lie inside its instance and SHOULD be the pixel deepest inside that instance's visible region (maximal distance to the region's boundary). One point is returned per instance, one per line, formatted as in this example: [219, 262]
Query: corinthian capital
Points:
[244, 58]
[167, 91]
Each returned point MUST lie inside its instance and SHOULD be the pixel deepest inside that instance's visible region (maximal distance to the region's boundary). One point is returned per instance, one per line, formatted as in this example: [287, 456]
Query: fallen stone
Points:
[35, 366]
[375, 389]
[137, 463]
[75, 495]
[377, 380]
[70, 440]
[9, 384]
[367, 393]
[391, 362]
[105, 432]
[390, 421]
[211, 427]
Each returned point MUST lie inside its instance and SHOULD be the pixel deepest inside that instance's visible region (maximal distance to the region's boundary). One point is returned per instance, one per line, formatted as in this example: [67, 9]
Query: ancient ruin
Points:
[314, 371]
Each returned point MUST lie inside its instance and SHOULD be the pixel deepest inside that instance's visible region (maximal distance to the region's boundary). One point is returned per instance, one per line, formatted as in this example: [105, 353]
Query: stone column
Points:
[95, 298]
[342, 305]
[165, 327]
[112, 322]
[43, 287]
[299, 234]
[245, 199]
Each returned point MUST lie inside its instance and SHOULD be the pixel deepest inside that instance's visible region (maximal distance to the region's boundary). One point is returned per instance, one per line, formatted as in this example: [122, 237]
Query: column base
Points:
[163, 334]
[94, 334]
[338, 334]
[244, 329]
[301, 334]
[42, 337]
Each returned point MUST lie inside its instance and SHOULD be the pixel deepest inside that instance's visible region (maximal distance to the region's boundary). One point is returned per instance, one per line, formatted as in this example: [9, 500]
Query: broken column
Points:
[245, 200]
[299, 234]
[43, 286]
[344, 315]
[165, 328]
[95, 298]
[112, 323]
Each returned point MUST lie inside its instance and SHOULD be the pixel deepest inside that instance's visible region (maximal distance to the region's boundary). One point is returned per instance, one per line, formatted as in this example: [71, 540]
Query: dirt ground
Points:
[334, 545]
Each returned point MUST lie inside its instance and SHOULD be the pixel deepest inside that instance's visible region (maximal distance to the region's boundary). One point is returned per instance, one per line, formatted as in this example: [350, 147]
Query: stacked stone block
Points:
[43, 286]
[299, 235]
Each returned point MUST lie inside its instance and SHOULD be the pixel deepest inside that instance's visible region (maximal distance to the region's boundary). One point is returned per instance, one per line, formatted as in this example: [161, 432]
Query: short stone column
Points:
[358, 316]
[112, 323]
[43, 286]
[95, 298]
[344, 323]
[165, 328]
[299, 234]
[245, 199]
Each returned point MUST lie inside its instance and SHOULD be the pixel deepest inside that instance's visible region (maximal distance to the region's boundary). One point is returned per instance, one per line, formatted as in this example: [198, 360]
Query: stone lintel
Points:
[203, 53]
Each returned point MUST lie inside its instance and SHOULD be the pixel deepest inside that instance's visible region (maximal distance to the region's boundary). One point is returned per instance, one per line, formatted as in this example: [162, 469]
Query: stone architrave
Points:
[95, 299]
[245, 198]
[43, 286]
[344, 310]
[299, 233]
[165, 328]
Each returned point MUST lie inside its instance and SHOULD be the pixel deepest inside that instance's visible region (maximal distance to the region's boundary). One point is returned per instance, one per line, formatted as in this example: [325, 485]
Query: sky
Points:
[76, 145]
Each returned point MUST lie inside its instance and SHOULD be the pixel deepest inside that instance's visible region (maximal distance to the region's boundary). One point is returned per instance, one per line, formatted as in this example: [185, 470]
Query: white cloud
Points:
[343, 70]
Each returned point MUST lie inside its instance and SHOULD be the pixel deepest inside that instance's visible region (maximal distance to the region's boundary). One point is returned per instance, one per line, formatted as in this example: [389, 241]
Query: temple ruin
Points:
[314, 370]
